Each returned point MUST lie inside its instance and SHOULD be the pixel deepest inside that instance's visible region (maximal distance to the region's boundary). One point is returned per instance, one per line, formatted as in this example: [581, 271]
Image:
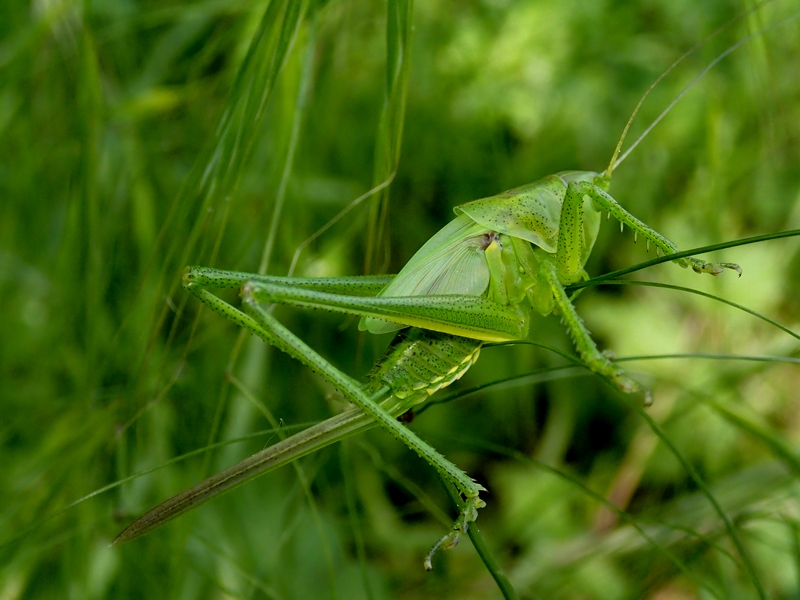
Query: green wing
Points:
[449, 263]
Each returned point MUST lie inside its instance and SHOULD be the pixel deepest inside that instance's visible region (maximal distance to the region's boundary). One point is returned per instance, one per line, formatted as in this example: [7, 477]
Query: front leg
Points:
[604, 202]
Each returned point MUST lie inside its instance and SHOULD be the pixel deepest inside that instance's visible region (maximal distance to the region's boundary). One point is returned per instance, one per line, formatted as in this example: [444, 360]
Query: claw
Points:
[732, 267]
[701, 266]
[630, 386]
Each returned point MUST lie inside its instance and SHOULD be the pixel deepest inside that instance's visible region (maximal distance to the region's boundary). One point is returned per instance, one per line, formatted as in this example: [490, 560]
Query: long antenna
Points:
[614, 162]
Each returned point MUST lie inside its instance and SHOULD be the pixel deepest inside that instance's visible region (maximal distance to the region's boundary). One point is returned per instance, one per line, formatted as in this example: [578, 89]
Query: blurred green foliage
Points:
[136, 138]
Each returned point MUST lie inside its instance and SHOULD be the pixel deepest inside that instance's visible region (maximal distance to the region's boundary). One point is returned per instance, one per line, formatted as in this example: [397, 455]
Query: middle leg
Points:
[592, 357]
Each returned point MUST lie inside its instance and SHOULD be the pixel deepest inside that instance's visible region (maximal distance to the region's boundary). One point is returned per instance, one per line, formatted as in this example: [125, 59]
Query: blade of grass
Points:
[399, 21]
[669, 286]
[684, 253]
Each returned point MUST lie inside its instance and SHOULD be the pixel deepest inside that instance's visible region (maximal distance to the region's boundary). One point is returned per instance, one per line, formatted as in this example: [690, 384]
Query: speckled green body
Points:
[476, 280]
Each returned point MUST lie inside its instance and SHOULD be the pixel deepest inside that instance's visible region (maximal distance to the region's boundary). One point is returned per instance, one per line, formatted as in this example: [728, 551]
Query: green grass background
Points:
[139, 137]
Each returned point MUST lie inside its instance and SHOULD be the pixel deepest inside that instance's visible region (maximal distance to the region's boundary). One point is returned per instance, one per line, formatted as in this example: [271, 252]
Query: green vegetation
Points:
[136, 139]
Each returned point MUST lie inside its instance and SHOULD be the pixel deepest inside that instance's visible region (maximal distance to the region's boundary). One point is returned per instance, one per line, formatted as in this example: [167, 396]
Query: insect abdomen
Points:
[419, 360]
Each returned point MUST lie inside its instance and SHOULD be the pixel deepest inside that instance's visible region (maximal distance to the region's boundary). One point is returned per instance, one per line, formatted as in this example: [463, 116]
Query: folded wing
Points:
[450, 263]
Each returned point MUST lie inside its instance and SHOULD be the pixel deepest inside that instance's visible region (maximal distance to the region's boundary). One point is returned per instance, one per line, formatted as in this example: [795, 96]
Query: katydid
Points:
[479, 279]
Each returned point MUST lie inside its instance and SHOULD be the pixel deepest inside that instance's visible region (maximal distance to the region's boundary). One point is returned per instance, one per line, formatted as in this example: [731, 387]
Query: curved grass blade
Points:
[683, 254]
[669, 286]
[399, 29]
